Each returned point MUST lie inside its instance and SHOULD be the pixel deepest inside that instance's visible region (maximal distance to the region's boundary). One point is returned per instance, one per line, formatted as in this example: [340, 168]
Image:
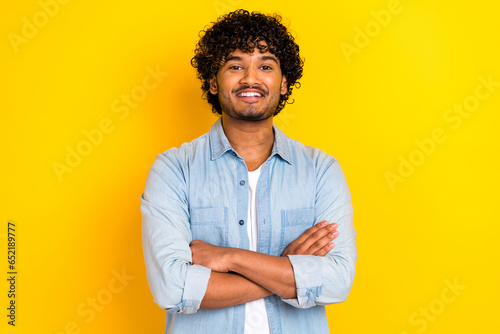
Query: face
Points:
[249, 85]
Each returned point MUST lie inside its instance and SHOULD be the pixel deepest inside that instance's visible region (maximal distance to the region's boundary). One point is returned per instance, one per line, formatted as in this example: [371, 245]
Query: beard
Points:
[248, 112]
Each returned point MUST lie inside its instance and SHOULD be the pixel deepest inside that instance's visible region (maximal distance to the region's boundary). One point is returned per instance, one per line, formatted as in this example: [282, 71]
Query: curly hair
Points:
[245, 31]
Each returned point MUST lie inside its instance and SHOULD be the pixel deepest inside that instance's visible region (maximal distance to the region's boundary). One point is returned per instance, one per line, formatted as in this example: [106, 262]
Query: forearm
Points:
[274, 273]
[230, 289]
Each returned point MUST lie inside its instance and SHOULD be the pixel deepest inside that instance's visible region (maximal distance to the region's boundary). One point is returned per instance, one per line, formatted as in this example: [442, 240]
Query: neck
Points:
[252, 140]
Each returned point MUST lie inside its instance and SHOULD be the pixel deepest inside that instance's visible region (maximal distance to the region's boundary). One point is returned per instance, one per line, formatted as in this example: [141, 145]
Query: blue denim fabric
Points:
[195, 192]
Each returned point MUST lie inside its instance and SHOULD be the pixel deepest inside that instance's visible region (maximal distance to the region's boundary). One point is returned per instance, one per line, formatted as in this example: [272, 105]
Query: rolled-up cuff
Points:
[195, 287]
[307, 270]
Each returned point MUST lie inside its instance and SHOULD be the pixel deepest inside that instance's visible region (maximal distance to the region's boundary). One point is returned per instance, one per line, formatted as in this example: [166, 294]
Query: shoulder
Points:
[177, 159]
[310, 155]
[186, 151]
[331, 183]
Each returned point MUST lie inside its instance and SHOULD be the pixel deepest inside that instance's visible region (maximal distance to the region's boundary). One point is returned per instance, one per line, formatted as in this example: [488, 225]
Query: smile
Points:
[249, 94]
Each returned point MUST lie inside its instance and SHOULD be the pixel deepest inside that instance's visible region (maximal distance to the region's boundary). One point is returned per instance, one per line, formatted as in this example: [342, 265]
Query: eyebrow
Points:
[238, 58]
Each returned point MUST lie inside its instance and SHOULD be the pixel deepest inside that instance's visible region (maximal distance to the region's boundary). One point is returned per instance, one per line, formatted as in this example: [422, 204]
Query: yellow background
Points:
[435, 226]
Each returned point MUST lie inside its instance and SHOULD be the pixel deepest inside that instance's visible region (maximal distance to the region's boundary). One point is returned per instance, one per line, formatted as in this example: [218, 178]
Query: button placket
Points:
[241, 188]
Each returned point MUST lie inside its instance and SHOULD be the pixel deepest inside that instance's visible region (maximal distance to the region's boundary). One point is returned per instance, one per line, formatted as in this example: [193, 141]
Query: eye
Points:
[266, 67]
[235, 67]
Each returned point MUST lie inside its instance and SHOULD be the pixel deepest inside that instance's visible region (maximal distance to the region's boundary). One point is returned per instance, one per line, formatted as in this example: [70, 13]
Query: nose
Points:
[250, 76]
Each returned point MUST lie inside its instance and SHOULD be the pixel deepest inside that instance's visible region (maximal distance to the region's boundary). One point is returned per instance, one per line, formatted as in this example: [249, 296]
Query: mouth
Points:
[250, 95]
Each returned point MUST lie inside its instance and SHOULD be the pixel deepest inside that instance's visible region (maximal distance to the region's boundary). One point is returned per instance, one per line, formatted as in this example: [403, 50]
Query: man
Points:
[238, 224]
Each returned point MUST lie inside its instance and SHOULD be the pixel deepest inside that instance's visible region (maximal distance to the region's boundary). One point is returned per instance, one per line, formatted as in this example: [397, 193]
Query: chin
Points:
[261, 116]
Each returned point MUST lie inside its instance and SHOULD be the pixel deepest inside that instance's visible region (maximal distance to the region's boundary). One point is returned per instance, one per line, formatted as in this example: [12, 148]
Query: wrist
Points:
[231, 256]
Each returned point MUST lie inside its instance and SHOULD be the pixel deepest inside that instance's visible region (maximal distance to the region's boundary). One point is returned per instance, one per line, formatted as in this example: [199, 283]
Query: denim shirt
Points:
[200, 191]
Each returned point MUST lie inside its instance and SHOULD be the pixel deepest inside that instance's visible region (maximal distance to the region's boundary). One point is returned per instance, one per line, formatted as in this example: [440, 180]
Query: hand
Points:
[210, 256]
[314, 241]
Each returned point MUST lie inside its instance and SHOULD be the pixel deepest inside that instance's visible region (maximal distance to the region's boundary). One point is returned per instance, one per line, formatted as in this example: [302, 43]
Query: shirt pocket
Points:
[210, 225]
[293, 224]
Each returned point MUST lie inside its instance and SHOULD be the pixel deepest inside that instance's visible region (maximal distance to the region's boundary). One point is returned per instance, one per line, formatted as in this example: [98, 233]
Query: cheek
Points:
[225, 96]
[227, 81]
[275, 83]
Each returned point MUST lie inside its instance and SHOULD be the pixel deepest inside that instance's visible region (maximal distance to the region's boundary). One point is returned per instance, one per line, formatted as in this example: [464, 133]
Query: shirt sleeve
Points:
[176, 284]
[328, 279]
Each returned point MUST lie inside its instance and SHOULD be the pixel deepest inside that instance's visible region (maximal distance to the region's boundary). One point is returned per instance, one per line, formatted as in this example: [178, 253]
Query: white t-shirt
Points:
[256, 319]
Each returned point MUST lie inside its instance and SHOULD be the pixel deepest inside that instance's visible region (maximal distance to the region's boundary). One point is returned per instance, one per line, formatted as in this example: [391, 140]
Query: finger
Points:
[303, 237]
[323, 251]
[313, 238]
[322, 242]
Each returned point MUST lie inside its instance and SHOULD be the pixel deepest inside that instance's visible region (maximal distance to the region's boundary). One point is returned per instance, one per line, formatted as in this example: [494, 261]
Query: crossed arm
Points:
[240, 276]
[184, 278]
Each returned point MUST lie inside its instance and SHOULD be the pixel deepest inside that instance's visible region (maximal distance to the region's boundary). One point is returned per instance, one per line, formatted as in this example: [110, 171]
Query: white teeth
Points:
[250, 94]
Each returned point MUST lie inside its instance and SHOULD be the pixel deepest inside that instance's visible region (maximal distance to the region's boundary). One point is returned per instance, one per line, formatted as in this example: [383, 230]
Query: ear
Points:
[212, 81]
[284, 85]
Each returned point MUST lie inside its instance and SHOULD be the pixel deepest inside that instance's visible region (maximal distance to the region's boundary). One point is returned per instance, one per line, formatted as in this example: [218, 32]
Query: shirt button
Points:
[242, 182]
[234, 153]
[242, 222]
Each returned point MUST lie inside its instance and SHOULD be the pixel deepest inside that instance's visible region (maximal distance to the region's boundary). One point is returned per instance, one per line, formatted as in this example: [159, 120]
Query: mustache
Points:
[261, 90]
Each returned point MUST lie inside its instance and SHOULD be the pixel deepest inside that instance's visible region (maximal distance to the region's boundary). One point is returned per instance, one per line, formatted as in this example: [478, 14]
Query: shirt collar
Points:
[219, 144]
